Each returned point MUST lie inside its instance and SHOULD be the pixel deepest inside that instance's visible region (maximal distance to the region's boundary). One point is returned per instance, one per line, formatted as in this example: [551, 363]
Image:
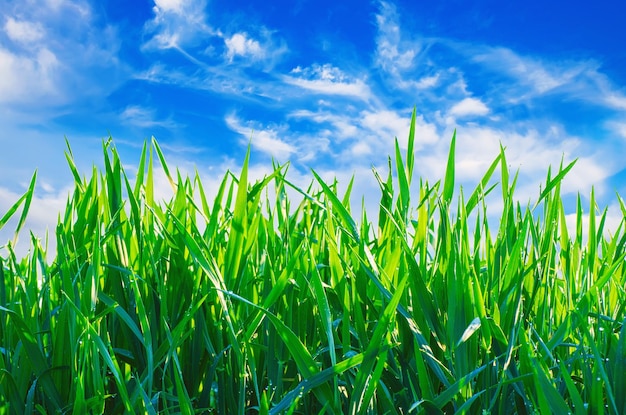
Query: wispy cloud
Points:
[17, 72]
[177, 24]
[393, 53]
[145, 118]
[328, 80]
[266, 140]
[52, 50]
[23, 31]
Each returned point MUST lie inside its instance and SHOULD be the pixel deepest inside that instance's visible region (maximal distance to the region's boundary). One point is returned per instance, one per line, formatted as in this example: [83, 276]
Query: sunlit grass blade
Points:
[25, 199]
[448, 184]
[550, 184]
[482, 190]
[337, 206]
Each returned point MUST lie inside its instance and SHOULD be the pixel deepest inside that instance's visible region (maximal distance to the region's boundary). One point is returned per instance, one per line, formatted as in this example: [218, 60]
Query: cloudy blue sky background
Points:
[324, 84]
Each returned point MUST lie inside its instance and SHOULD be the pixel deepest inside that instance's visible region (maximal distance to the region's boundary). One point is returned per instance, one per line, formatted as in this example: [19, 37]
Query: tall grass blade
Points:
[448, 184]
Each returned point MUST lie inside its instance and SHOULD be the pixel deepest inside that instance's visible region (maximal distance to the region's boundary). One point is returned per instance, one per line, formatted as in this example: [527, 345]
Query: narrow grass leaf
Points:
[336, 204]
[448, 184]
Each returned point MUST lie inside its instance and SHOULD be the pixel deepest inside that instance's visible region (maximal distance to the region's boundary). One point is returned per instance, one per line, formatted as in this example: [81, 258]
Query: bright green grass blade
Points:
[448, 184]
[238, 231]
[26, 199]
[480, 191]
[7, 216]
[338, 207]
[410, 151]
[386, 200]
[346, 197]
[166, 170]
[504, 171]
[141, 170]
[552, 183]
[70, 161]
[472, 328]
[403, 184]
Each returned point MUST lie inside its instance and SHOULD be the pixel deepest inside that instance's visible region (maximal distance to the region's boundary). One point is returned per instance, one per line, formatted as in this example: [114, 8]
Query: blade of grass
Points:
[448, 184]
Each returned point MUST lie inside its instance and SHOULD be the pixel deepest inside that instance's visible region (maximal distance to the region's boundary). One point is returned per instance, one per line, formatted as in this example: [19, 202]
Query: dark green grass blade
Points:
[304, 361]
[35, 356]
[316, 380]
[365, 381]
[619, 370]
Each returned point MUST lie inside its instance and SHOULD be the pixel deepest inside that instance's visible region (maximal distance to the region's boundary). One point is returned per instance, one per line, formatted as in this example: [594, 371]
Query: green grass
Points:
[255, 303]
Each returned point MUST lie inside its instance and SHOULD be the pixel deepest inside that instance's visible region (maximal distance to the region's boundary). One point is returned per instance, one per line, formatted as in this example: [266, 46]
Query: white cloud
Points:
[145, 118]
[362, 137]
[469, 107]
[392, 54]
[616, 101]
[330, 80]
[240, 44]
[265, 140]
[174, 6]
[618, 127]
[177, 24]
[29, 78]
[23, 31]
[529, 77]
[427, 82]
[56, 54]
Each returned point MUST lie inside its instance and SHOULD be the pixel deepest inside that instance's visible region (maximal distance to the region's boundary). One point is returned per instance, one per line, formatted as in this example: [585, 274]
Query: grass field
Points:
[256, 302]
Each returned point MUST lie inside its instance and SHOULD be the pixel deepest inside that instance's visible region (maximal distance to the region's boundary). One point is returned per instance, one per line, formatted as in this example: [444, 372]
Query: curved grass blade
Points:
[26, 198]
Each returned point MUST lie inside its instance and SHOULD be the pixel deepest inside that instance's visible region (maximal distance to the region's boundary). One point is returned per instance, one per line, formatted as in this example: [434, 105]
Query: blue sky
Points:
[326, 85]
